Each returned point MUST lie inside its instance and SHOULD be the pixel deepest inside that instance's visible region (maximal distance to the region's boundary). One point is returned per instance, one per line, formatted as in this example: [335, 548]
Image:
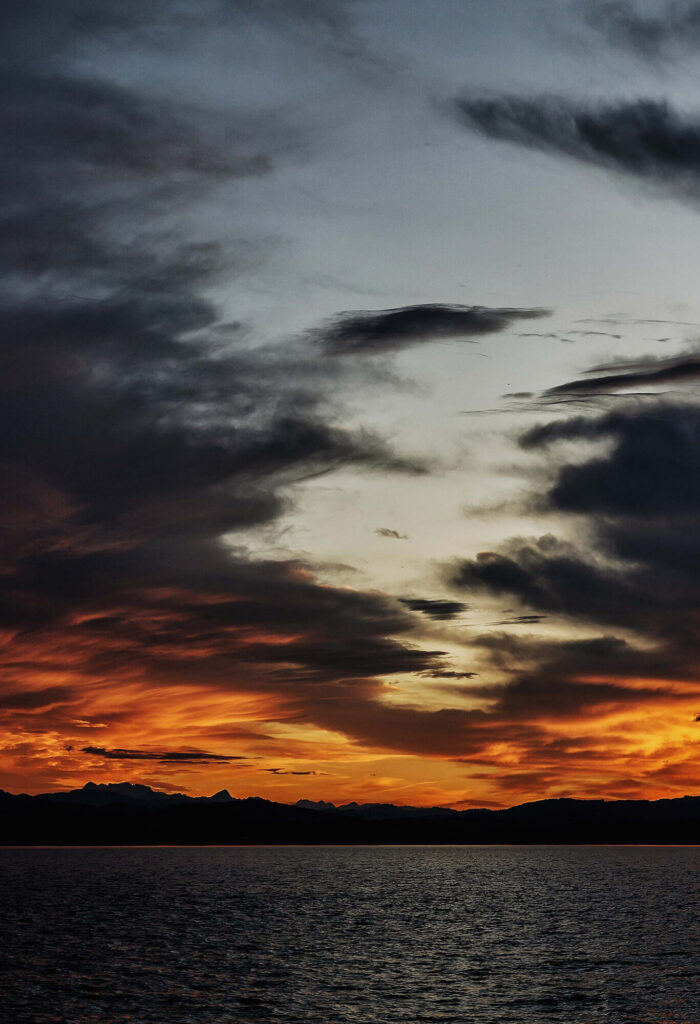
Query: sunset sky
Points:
[350, 423]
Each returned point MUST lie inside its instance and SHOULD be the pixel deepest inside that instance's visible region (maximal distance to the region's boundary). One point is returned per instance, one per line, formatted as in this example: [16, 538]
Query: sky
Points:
[349, 413]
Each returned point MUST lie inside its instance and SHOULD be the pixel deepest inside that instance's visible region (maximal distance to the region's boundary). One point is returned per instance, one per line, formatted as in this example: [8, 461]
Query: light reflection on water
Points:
[350, 935]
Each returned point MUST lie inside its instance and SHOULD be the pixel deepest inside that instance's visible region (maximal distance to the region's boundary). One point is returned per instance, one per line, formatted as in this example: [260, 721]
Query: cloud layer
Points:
[164, 756]
[633, 575]
[140, 426]
[645, 138]
[373, 332]
[648, 36]
[144, 425]
[631, 374]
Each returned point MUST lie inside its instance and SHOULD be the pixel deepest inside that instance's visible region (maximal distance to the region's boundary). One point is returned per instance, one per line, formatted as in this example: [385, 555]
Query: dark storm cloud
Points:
[123, 405]
[633, 571]
[373, 332]
[29, 700]
[448, 674]
[521, 620]
[163, 756]
[644, 138]
[647, 35]
[548, 696]
[254, 625]
[632, 374]
[93, 124]
[652, 468]
[440, 610]
[445, 732]
[470, 735]
[553, 577]
[138, 425]
[617, 587]
[539, 661]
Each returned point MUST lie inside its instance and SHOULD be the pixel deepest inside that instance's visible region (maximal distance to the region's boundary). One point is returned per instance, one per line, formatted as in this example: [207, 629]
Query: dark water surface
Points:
[336, 935]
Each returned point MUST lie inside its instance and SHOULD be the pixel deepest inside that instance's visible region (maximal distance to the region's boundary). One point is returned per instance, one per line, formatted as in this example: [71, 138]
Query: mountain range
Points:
[128, 814]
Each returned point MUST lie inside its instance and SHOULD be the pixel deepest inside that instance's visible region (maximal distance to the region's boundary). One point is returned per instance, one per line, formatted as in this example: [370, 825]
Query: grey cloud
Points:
[138, 430]
[652, 468]
[326, 26]
[636, 320]
[632, 573]
[163, 756]
[553, 577]
[373, 332]
[631, 374]
[644, 138]
[635, 568]
[646, 35]
[448, 674]
[384, 531]
[521, 620]
[440, 610]
[137, 427]
[92, 124]
[550, 576]
[598, 334]
[538, 334]
[124, 396]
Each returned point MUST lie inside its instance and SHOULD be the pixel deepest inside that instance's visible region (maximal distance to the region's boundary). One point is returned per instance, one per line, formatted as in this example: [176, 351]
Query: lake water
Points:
[350, 935]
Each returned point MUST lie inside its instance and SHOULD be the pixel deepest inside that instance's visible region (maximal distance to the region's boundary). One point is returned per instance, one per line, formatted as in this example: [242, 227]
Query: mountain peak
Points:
[315, 805]
[222, 797]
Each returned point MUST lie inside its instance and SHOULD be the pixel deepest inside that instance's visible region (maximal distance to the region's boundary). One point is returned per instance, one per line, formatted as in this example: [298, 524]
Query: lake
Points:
[348, 935]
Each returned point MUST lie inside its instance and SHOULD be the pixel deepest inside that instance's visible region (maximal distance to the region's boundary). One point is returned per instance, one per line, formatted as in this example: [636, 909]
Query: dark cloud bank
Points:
[644, 138]
[625, 375]
[163, 756]
[636, 578]
[441, 610]
[373, 332]
[633, 575]
[137, 428]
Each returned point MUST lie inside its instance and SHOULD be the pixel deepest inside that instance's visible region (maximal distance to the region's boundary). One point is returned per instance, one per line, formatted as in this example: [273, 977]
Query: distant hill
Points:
[377, 812]
[128, 814]
[103, 794]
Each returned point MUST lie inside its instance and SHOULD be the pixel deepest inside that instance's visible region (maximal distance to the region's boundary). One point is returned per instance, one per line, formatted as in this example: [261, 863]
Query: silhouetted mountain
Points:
[377, 812]
[123, 813]
[103, 794]
[222, 797]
